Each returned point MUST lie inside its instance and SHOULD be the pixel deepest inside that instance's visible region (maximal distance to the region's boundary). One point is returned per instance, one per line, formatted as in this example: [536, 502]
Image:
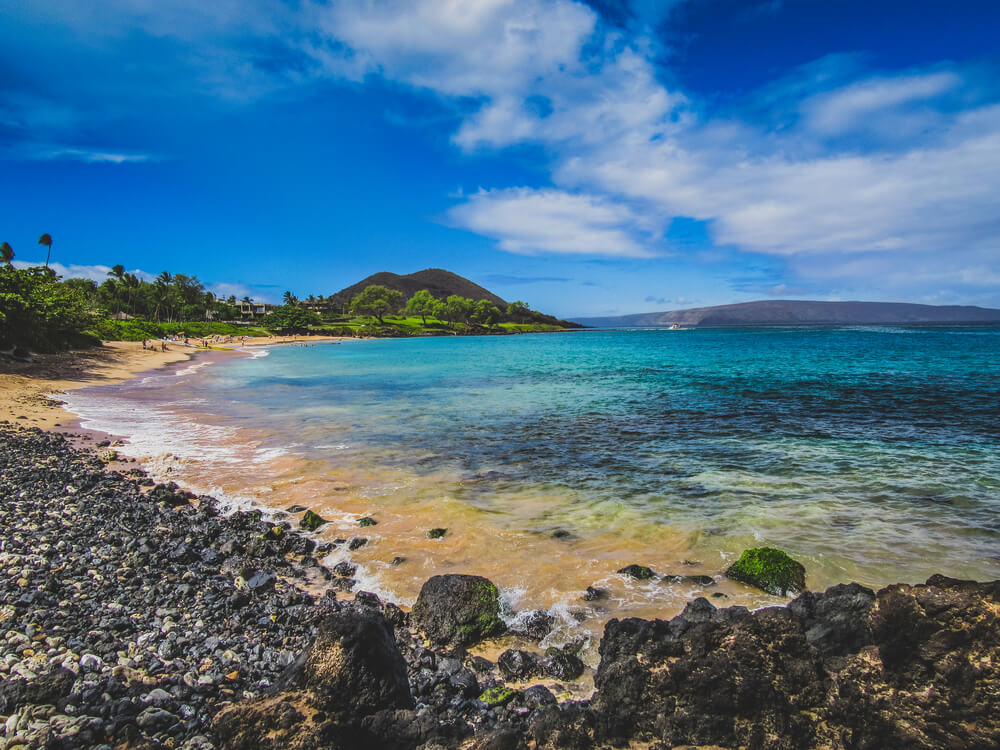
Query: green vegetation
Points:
[290, 319]
[497, 696]
[769, 569]
[377, 300]
[40, 311]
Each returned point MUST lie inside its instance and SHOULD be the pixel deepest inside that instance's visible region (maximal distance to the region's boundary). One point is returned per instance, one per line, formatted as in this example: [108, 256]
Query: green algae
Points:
[769, 569]
[311, 521]
[497, 696]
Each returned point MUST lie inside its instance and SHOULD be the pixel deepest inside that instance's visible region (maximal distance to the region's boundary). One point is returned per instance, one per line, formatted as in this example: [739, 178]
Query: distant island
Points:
[802, 313]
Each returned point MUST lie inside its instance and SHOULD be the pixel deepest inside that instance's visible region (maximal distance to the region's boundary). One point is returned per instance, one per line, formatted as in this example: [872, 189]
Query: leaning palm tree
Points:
[46, 239]
[6, 253]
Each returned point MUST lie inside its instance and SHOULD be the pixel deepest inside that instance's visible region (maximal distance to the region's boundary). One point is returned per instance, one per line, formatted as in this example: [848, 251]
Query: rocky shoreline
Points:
[141, 617]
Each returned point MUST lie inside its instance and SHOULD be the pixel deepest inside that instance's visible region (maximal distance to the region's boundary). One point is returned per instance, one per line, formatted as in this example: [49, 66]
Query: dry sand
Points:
[26, 387]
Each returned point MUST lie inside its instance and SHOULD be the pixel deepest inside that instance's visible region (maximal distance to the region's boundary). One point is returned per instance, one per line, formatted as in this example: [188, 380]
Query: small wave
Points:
[193, 368]
[260, 353]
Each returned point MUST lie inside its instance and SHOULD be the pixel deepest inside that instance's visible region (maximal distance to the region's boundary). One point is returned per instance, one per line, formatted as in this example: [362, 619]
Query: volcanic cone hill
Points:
[437, 281]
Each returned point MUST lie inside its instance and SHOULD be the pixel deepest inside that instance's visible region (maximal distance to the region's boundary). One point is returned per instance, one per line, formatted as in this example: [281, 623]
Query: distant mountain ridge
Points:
[437, 281]
[803, 312]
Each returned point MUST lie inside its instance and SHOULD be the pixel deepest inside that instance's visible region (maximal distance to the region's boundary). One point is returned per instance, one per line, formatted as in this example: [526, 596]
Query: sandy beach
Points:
[29, 390]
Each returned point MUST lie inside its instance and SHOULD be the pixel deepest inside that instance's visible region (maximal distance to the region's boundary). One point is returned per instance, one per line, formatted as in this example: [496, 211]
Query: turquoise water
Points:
[871, 454]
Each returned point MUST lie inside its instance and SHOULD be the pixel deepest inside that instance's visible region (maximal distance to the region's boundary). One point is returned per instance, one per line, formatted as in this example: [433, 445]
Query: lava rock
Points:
[594, 594]
[312, 521]
[458, 610]
[517, 666]
[640, 572]
[534, 625]
[562, 665]
[345, 569]
[770, 570]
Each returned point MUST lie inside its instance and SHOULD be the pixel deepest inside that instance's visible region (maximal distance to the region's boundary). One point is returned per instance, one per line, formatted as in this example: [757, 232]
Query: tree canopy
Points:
[422, 304]
[290, 319]
[377, 300]
[39, 311]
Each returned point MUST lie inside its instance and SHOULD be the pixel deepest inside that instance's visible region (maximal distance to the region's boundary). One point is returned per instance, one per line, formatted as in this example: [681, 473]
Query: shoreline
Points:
[149, 619]
[26, 388]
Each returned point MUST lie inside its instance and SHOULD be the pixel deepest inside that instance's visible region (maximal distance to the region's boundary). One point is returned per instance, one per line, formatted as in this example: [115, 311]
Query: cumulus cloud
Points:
[837, 171]
[529, 222]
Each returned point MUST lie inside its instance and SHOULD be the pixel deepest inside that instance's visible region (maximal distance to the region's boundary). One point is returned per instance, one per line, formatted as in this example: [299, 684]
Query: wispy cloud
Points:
[509, 280]
[96, 273]
[90, 156]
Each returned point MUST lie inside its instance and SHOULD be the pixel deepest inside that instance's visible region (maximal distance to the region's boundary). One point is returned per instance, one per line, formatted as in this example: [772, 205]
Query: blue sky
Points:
[588, 158]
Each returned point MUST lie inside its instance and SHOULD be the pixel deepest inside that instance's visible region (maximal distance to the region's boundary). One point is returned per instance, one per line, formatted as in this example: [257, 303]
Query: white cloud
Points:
[901, 168]
[859, 105]
[528, 221]
[90, 156]
[96, 273]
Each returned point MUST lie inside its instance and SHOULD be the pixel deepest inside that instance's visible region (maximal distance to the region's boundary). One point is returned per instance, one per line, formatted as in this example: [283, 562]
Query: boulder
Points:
[639, 572]
[533, 625]
[909, 667]
[562, 664]
[312, 521]
[458, 610]
[517, 666]
[770, 570]
[351, 671]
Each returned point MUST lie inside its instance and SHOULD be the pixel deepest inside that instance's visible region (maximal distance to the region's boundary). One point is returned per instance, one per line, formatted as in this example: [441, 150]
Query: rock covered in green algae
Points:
[497, 696]
[769, 569]
[640, 572]
[458, 610]
[312, 521]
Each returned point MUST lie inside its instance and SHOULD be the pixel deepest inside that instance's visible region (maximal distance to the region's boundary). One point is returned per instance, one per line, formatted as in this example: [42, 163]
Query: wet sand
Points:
[29, 390]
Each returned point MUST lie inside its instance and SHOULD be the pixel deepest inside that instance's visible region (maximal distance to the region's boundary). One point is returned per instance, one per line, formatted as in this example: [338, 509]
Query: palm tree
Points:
[117, 272]
[162, 294]
[6, 253]
[290, 299]
[46, 239]
[131, 286]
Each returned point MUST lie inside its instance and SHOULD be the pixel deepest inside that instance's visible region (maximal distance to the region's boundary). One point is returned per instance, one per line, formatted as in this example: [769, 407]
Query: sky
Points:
[590, 158]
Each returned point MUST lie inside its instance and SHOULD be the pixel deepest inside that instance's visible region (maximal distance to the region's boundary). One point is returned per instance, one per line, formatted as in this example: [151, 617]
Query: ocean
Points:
[868, 454]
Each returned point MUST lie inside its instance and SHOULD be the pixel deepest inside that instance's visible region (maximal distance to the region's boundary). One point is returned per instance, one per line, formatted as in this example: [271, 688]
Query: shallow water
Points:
[870, 454]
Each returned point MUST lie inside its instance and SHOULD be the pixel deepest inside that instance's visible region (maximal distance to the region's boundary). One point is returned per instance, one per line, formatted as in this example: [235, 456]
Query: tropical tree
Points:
[131, 290]
[518, 310]
[46, 239]
[458, 309]
[376, 300]
[423, 303]
[290, 299]
[6, 253]
[486, 313]
[39, 311]
[290, 319]
[162, 295]
[117, 273]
